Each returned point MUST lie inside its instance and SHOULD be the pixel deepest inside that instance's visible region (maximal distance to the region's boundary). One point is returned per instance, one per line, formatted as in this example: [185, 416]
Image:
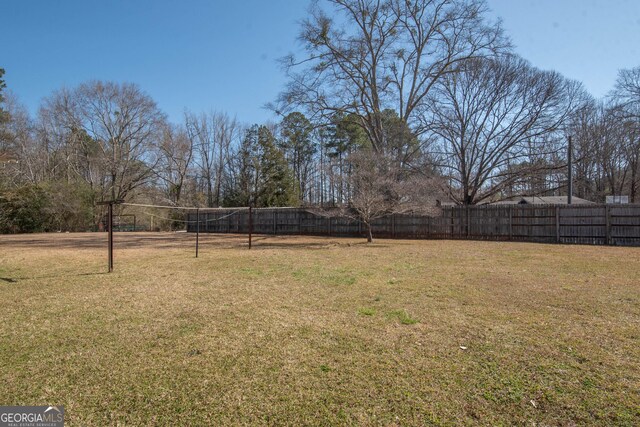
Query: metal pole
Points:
[250, 227]
[110, 225]
[197, 230]
[570, 174]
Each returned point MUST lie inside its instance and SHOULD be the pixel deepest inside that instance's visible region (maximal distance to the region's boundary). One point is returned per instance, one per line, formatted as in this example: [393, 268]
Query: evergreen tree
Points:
[2, 86]
[298, 148]
[262, 178]
[278, 186]
[4, 115]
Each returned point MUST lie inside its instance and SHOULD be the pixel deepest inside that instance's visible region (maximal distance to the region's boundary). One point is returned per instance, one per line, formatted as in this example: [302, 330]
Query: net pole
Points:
[109, 204]
[197, 230]
[570, 171]
[250, 226]
[110, 225]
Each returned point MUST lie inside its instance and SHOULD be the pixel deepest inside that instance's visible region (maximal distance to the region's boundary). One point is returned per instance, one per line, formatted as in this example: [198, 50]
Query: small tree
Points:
[381, 188]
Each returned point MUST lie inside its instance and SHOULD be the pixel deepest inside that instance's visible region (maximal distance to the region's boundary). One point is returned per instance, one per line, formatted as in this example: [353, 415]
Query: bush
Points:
[71, 206]
[24, 210]
[53, 206]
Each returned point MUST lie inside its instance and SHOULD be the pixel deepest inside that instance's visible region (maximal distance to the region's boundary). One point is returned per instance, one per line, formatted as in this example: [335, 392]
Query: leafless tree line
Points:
[392, 105]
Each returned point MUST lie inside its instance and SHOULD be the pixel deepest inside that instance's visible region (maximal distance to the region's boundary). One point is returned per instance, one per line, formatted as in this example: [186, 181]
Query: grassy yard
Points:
[320, 331]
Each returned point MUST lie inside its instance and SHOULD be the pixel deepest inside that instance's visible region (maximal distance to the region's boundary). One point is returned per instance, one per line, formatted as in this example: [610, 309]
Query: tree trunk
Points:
[369, 233]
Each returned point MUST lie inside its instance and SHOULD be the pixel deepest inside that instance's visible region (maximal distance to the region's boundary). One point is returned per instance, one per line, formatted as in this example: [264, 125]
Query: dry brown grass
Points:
[320, 331]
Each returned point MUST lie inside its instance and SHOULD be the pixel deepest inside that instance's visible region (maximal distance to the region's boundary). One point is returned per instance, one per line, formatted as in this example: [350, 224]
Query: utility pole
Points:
[570, 172]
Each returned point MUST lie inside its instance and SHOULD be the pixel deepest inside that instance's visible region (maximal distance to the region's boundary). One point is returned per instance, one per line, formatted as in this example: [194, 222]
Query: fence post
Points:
[510, 222]
[557, 224]
[197, 229]
[428, 226]
[250, 226]
[468, 223]
[393, 226]
[607, 211]
[451, 228]
[275, 221]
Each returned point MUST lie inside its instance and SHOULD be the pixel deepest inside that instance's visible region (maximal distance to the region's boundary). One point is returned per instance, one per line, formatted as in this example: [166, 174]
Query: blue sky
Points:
[221, 55]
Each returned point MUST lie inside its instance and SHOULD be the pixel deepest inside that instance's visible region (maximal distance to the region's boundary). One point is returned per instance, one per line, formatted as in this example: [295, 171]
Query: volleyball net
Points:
[183, 224]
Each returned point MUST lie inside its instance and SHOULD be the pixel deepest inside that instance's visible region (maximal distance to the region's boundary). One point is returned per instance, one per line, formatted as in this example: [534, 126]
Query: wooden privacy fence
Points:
[583, 224]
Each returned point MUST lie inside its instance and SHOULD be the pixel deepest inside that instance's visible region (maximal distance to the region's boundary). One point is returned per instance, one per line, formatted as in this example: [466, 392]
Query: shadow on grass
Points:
[121, 240]
[179, 240]
[49, 276]
[275, 242]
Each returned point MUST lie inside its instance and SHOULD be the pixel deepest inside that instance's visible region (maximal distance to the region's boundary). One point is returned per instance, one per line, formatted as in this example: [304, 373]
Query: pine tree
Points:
[263, 178]
[298, 148]
[278, 185]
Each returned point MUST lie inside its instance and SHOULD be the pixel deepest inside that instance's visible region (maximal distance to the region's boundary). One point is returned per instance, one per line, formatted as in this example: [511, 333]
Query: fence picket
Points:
[591, 224]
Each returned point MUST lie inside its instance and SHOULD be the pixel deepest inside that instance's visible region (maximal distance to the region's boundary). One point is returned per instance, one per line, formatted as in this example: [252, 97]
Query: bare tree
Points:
[490, 117]
[175, 158]
[124, 123]
[584, 127]
[22, 162]
[626, 97]
[627, 91]
[387, 55]
[380, 188]
[212, 136]
[606, 149]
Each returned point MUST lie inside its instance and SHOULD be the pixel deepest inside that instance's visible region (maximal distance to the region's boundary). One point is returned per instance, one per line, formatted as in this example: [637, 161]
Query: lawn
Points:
[319, 331]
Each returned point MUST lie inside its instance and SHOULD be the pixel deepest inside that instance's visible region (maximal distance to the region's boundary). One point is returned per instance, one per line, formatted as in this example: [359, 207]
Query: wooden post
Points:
[250, 226]
[109, 204]
[607, 211]
[451, 223]
[393, 226]
[110, 225]
[197, 230]
[510, 222]
[468, 223]
[557, 224]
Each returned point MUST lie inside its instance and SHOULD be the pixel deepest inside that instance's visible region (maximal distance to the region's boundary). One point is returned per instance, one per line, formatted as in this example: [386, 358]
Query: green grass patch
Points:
[402, 316]
[366, 311]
